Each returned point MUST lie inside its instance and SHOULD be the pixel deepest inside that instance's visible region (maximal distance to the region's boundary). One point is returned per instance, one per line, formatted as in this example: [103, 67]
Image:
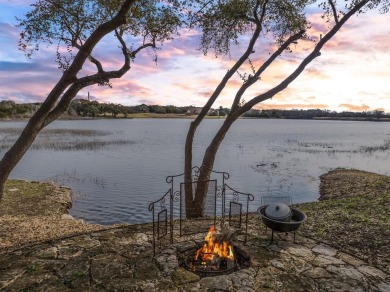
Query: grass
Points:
[30, 212]
[353, 215]
[19, 195]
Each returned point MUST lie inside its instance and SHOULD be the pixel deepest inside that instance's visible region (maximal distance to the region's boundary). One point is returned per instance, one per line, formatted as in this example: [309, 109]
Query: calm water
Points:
[116, 183]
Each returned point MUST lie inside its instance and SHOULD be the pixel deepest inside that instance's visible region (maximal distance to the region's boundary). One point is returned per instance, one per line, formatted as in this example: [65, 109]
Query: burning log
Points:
[213, 248]
[216, 255]
[227, 235]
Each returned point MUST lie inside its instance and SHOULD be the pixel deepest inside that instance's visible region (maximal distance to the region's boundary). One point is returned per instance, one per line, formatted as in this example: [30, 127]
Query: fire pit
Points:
[214, 257]
[277, 220]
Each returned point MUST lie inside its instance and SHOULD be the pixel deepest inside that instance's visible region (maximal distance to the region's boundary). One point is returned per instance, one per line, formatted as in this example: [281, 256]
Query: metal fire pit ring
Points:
[204, 271]
[297, 218]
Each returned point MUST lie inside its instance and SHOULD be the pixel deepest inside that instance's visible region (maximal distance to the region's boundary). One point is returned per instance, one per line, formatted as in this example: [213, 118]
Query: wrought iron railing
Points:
[238, 208]
[169, 212]
[162, 221]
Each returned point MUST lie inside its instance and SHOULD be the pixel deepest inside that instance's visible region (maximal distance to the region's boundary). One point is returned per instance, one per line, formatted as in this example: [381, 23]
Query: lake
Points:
[116, 167]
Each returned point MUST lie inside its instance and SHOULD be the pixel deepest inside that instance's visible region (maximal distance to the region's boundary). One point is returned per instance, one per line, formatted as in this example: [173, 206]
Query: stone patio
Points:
[122, 260]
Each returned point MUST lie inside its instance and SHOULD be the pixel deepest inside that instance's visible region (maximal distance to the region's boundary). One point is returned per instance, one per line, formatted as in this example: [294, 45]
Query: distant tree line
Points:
[10, 109]
[316, 114]
[85, 108]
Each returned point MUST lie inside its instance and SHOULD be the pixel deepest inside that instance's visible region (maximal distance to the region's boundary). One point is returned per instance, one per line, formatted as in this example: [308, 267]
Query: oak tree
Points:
[223, 24]
[75, 28]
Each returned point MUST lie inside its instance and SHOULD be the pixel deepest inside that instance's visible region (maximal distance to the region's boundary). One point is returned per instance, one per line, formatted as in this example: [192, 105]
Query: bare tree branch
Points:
[97, 78]
[314, 54]
[255, 10]
[253, 79]
[336, 18]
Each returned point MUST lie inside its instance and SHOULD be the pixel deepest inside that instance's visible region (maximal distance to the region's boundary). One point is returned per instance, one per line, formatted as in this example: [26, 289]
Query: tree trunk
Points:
[189, 204]
[22, 144]
[194, 208]
[208, 164]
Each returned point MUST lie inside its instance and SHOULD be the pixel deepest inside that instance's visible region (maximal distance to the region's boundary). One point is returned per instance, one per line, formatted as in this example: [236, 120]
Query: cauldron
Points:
[297, 218]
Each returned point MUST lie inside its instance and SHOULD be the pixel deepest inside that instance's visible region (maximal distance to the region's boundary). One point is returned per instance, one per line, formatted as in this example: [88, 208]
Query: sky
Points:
[352, 73]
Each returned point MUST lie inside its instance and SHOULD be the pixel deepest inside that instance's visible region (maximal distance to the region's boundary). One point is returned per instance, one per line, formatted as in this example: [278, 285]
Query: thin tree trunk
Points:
[208, 161]
[192, 209]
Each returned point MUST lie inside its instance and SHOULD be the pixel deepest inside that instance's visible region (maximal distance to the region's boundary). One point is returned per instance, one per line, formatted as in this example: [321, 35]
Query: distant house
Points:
[213, 112]
[194, 111]
[197, 110]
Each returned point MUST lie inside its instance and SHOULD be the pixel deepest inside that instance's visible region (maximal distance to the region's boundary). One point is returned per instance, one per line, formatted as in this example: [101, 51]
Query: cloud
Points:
[379, 109]
[286, 106]
[20, 67]
[352, 70]
[22, 3]
[353, 107]
[8, 30]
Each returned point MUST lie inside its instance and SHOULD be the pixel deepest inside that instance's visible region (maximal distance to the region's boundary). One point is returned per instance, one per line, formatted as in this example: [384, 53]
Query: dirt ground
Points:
[33, 212]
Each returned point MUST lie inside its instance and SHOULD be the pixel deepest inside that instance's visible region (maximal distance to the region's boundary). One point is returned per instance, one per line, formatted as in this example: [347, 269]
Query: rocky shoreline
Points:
[34, 212]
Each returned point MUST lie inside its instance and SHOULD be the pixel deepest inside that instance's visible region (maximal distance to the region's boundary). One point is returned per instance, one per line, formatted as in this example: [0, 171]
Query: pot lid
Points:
[277, 211]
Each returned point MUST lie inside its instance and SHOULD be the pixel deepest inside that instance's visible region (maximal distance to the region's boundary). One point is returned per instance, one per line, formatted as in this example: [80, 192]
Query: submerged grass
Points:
[63, 139]
[319, 147]
[68, 132]
[381, 148]
[77, 145]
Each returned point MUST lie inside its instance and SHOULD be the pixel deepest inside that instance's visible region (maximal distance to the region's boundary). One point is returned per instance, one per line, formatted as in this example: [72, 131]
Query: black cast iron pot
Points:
[297, 218]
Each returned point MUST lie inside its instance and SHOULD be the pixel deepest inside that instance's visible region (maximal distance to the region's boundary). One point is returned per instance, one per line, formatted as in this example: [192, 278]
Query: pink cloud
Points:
[353, 107]
[286, 106]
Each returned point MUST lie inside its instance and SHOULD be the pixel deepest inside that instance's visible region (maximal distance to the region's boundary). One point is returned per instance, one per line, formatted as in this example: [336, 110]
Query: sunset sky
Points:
[353, 72]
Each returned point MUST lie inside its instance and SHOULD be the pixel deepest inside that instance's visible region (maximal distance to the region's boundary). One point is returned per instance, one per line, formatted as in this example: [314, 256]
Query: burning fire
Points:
[212, 249]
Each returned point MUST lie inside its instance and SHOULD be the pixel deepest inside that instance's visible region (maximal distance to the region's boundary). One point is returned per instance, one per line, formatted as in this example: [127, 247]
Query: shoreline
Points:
[330, 252]
[32, 212]
[345, 196]
[183, 116]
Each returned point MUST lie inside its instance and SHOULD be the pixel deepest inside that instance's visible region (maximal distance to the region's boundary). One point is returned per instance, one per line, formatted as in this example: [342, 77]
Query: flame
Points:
[212, 249]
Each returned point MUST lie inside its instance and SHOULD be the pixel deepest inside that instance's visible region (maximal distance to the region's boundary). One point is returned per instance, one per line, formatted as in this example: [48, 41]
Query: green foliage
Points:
[9, 109]
[32, 267]
[315, 113]
[223, 22]
[86, 108]
[340, 7]
[69, 23]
